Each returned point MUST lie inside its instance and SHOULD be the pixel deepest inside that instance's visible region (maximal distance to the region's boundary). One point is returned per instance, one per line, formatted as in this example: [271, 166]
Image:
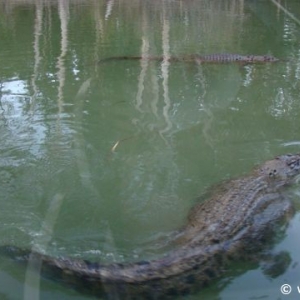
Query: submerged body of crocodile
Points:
[234, 223]
[211, 58]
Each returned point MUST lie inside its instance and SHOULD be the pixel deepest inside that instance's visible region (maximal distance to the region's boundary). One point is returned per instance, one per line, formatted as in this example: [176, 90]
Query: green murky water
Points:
[102, 160]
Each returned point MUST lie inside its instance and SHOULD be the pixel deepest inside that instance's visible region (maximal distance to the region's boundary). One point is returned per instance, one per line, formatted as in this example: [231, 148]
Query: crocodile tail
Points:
[114, 281]
[15, 253]
[147, 58]
[150, 280]
[64, 271]
[177, 274]
[116, 58]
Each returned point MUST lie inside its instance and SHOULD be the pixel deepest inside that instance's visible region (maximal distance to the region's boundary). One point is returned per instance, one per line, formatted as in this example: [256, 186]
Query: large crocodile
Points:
[210, 58]
[236, 222]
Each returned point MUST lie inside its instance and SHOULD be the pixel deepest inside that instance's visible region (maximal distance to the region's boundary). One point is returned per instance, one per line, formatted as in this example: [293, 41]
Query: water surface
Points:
[103, 160]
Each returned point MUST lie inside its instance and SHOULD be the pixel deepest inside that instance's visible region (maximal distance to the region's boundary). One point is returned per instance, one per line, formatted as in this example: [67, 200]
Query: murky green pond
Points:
[103, 159]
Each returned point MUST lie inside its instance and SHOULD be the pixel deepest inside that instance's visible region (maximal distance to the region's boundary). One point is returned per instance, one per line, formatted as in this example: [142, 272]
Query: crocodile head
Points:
[261, 58]
[269, 58]
[283, 167]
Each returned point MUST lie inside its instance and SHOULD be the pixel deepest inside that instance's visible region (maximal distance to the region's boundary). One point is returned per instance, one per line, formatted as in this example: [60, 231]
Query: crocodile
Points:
[210, 58]
[237, 222]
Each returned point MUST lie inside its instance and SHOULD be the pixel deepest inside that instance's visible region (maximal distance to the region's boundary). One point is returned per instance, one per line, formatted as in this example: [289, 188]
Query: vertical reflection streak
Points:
[141, 78]
[33, 270]
[36, 48]
[165, 74]
[63, 9]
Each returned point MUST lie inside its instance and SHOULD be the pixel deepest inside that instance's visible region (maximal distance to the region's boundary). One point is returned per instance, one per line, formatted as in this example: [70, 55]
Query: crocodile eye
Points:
[293, 164]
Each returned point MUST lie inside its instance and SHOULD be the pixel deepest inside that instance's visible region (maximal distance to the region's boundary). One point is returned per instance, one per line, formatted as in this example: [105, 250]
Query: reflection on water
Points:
[104, 160]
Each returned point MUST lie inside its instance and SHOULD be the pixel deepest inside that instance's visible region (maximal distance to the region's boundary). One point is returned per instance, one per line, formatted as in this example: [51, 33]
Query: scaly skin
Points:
[234, 223]
[211, 58]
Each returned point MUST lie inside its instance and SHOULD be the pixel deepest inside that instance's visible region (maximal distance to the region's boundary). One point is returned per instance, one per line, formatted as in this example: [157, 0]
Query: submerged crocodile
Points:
[211, 58]
[237, 222]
